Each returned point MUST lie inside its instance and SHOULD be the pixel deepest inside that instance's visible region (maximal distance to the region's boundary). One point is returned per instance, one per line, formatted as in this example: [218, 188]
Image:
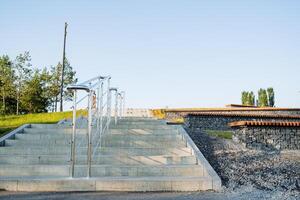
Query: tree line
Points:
[266, 98]
[27, 89]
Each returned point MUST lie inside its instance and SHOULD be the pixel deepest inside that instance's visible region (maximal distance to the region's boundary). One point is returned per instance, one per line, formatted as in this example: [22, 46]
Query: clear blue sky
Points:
[166, 52]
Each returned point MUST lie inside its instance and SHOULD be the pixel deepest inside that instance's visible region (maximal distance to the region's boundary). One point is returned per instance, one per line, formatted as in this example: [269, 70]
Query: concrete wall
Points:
[262, 136]
[221, 122]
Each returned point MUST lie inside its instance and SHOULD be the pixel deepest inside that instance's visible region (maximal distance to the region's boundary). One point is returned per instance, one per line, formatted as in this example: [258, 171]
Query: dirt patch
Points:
[239, 167]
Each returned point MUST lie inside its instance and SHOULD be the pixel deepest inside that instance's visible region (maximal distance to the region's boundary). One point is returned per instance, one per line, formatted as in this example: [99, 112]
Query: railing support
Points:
[89, 150]
[120, 104]
[73, 134]
[74, 88]
[101, 109]
[116, 107]
[99, 105]
[108, 103]
[123, 105]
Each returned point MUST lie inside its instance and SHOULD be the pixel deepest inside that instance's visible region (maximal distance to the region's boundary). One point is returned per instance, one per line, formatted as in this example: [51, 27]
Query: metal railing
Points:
[98, 115]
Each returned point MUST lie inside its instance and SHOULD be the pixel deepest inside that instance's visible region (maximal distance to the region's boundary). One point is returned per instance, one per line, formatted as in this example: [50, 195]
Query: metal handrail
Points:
[93, 86]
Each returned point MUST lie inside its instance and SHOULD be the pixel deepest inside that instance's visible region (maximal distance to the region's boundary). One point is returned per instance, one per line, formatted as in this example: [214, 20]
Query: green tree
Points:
[248, 98]
[22, 67]
[35, 93]
[244, 97]
[251, 99]
[25, 89]
[262, 98]
[7, 78]
[271, 96]
[55, 83]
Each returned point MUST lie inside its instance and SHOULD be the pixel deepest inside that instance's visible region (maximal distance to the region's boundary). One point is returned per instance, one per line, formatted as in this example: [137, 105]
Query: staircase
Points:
[137, 154]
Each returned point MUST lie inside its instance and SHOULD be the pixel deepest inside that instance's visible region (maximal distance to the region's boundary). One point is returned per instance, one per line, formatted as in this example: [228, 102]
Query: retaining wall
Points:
[221, 122]
[173, 114]
[274, 137]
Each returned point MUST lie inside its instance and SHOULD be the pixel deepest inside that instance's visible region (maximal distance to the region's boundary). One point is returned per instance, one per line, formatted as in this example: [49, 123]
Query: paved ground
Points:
[244, 194]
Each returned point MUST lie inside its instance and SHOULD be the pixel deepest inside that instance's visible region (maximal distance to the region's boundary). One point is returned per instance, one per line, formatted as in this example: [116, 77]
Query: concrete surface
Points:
[138, 154]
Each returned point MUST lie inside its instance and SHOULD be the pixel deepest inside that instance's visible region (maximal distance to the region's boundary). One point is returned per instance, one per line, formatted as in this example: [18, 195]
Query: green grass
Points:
[3, 131]
[220, 134]
[10, 122]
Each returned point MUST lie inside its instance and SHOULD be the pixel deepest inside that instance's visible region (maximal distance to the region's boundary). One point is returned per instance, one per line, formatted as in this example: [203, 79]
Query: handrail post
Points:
[116, 107]
[73, 134]
[120, 105]
[101, 108]
[98, 106]
[89, 150]
[108, 103]
[74, 88]
[123, 104]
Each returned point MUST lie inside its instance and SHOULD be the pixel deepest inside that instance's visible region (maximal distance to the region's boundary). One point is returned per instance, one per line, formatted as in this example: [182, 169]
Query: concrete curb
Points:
[216, 180]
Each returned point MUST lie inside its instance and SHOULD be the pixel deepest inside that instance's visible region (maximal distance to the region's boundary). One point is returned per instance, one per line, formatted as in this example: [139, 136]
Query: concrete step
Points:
[131, 137]
[129, 184]
[112, 131]
[103, 160]
[51, 126]
[54, 131]
[183, 151]
[142, 131]
[142, 123]
[146, 126]
[105, 143]
[101, 170]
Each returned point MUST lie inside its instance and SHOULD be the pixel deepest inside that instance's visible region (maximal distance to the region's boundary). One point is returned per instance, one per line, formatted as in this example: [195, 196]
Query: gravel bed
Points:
[240, 168]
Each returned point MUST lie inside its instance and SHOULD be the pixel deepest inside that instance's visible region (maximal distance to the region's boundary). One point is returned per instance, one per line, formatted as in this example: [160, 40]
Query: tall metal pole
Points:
[116, 107]
[89, 150]
[63, 69]
[101, 108]
[123, 106]
[120, 105]
[108, 102]
[98, 106]
[73, 135]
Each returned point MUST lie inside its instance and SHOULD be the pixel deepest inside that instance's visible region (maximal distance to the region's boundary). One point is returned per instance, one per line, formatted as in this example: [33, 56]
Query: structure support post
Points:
[73, 134]
[116, 107]
[108, 103]
[98, 106]
[120, 105]
[89, 142]
[123, 104]
[101, 108]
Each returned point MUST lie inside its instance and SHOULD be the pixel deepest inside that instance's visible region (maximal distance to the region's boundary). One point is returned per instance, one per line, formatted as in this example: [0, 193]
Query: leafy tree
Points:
[262, 98]
[244, 97]
[22, 67]
[25, 89]
[271, 96]
[55, 82]
[34, 98]
[248, 98]
[251, 98]
[54, 85]
[7, 84]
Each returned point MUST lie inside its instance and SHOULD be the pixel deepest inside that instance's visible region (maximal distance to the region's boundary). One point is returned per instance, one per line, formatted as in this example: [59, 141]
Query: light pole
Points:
[63, 69]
